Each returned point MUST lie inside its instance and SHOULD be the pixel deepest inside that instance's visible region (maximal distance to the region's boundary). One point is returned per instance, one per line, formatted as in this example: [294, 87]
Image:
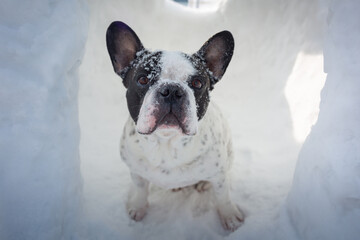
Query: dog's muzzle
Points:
[170, 110]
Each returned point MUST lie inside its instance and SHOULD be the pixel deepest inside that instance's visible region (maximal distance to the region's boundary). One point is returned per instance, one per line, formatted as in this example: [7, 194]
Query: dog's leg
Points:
[138, 204]
[230, 215]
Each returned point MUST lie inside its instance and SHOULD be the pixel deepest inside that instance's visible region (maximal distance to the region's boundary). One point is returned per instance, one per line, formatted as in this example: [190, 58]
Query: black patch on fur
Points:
[146, 64]
[202, 95]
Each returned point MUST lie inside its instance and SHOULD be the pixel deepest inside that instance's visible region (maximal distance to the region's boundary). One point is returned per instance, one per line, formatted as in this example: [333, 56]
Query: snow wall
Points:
[41, 44]
[324, 202]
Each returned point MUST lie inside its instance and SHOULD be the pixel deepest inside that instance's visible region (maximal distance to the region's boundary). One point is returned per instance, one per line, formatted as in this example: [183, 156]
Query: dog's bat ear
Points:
[217, 53]
[122, 44]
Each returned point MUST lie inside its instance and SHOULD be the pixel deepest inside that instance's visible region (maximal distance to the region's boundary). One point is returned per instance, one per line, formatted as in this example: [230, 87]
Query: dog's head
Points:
[167, 90]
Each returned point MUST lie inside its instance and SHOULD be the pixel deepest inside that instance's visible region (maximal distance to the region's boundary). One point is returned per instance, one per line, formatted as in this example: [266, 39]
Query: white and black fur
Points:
[175, 137]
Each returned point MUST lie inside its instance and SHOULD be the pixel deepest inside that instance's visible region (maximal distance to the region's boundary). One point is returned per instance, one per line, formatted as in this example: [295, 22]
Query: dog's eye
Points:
[196, 83]
[143, 80]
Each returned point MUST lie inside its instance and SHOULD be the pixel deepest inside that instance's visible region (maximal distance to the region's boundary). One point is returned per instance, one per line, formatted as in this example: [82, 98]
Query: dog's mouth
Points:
[170, 122]
[164, 118]
[167, 125]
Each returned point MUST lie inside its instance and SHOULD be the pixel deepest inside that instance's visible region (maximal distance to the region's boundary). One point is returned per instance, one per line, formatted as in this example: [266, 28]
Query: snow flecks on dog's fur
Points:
[174, 69]
[197, 60]
[149, 61]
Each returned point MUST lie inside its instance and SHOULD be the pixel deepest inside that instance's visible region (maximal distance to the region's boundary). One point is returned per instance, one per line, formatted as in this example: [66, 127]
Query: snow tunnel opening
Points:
[302, 92]
[200, 5]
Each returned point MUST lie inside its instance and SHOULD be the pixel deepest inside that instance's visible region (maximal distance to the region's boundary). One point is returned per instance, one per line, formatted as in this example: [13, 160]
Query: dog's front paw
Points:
[137, 213]
[137, 209]
[231, 217]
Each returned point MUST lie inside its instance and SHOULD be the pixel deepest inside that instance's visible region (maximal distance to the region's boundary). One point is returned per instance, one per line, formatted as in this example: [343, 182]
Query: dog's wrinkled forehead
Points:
[165, 65]
[176, 66]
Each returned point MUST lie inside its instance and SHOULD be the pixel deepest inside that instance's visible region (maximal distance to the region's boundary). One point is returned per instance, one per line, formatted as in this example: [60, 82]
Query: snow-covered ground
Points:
[270, 95]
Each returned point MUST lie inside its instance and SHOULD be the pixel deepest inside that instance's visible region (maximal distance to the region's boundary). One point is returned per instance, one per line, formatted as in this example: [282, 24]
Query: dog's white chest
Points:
[178, 161]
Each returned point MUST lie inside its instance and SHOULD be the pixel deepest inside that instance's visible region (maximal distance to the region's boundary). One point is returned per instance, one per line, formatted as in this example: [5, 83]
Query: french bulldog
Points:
[174, 137]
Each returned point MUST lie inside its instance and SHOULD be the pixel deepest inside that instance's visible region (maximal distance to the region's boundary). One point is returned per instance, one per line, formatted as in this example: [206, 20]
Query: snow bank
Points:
[40, 184]
[324, 202]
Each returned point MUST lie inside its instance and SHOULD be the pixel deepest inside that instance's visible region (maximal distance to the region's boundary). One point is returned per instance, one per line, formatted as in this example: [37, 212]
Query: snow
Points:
[324, 202]
[40, 181]
[270, 96]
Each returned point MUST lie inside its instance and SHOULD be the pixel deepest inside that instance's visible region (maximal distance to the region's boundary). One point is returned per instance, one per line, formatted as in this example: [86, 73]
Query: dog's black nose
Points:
[171, 93]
